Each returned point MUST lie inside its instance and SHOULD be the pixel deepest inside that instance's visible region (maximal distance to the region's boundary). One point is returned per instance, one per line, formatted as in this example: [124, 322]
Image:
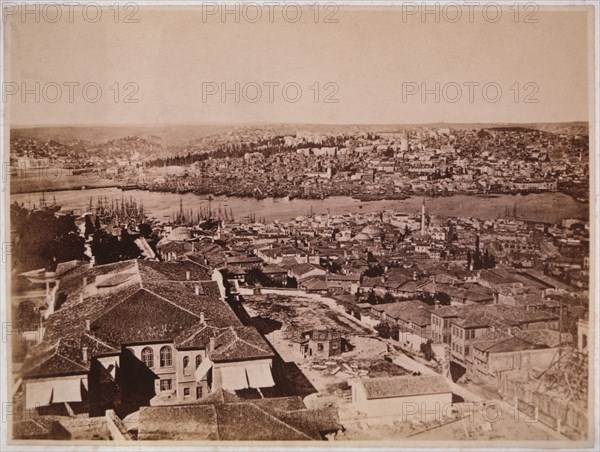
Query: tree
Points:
[334, 266]
[388, 298]
[374, 271]
[443, 298]
[256, 276]
[387, 330]
[45, 238]
[372, 298]
[145, 230]
[105, 247]
[335, 232]
[427, 350]
[89, 226]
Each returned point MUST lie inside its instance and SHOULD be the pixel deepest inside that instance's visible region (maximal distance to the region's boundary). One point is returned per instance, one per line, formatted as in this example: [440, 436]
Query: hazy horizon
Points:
[258, 124]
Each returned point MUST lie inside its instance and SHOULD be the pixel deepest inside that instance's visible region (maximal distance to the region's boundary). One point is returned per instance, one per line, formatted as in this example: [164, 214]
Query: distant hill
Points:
[172, 135]
[165, 135]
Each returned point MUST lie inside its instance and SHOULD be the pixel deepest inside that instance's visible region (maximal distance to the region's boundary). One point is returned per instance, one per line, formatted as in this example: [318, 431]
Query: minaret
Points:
[423, 217]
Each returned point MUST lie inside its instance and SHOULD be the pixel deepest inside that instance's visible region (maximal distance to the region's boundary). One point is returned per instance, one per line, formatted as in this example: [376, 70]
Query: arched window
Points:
[148, 357]
[186, 361]
[166, 359]
[198, 361]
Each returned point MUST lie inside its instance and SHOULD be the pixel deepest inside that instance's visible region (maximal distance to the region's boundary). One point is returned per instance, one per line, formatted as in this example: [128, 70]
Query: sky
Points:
[368, 68]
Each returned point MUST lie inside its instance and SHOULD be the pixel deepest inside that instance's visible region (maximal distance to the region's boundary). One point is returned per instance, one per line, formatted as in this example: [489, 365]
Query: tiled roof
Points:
[371, 281]
[271, 269]
[54, 361]
[497, 277]
[193, 422]
[302, 269]
[335, 277]
[501, 315]
[195, 336]
[315, 283]
[171, 271]
[409, 286]
[410, 311]
[471, 292]
[545, 337]
[405, 385]
[229, 418]
[40, 428]
[471, 316]
[63, 267]
[246, 421]
[238, 343]
[232, 260]
[503, 345]
[394, 282]
[143, 317]
[489, 339]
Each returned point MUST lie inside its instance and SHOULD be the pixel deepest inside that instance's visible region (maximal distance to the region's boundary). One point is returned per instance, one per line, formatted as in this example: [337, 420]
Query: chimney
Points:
[414, 276]
[81, 296]
[187, 275]
[84, 281]
[202, 317]
[84, 353]
[197, 290]
[87, 324]
[211, 345]
[437, 304]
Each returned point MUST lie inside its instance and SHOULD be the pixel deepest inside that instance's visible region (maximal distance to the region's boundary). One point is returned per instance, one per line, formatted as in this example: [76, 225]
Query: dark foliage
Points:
[427, 350]
[108, 248]
[44, 239]
[387, 330]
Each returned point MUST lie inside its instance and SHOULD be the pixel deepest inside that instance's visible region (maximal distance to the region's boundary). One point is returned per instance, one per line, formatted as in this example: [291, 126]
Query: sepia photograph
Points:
[310, 224]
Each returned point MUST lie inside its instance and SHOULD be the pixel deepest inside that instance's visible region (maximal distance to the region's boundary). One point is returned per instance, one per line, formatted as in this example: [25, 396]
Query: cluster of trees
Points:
[108, 248]
[441, 297]
[179, 160]
[374, 270]
[332, 265]
[45, 238]
[255, 276]
[387, 330]
[266, 147]
[373, 298]
[478, 260]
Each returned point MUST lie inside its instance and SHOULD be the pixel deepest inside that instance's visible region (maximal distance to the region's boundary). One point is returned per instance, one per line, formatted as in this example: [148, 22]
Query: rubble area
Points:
[298, 315]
